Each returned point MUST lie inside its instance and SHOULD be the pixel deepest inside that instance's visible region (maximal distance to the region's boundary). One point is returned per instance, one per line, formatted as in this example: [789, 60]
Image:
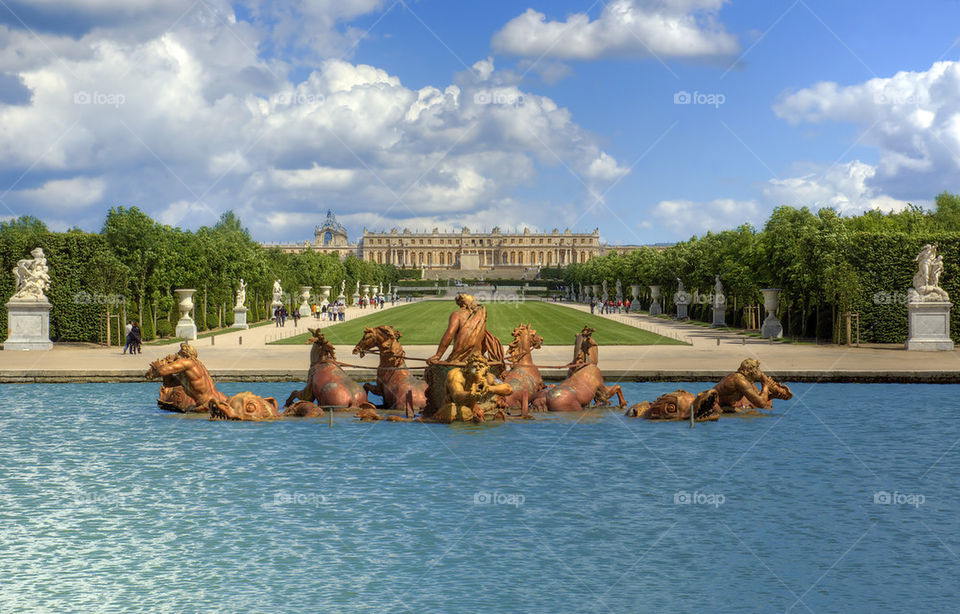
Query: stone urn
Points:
[655, 309]
[635, 297]
[771, 325]
[186, 327]
[305, 301]
[325, 293]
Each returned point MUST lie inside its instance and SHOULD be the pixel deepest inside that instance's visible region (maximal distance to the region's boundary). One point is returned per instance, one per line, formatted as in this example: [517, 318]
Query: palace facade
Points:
[460, 253]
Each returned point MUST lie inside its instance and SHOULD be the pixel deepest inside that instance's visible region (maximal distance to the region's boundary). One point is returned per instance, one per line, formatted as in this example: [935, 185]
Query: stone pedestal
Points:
[356, 298]
[28, 323]
[239, 317]
[929, 326]
[719, 317]
[682, 300]
[771, 325]
[655, 309]
[186, 328]
[719, 311]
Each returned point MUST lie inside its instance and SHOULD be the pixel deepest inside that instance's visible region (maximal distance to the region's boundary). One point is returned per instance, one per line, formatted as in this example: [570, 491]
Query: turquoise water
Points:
[109, 505]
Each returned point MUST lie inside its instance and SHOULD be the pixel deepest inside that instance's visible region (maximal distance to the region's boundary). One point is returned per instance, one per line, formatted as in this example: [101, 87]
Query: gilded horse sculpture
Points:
[395, 382]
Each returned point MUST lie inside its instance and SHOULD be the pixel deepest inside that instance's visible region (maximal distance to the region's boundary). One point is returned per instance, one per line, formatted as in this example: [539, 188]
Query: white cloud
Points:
[191, 121]
[687, 218]
[912, 118]
[75, 193]
[316, 177]
[625, 28]
[843, 187]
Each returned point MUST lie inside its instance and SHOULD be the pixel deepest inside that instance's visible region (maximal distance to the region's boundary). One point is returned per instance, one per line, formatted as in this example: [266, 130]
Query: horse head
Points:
[322, 350]
[381, 337]
[525, 339]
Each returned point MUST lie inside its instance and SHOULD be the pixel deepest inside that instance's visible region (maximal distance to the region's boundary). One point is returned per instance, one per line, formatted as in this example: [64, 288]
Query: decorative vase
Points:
[771, 325]
[186, 327]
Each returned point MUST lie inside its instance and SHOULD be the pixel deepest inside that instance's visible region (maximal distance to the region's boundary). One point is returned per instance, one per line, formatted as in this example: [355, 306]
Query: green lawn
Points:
[423, 323]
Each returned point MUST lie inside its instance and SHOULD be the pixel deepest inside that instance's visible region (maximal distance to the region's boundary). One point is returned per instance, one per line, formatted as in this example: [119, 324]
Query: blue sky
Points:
[429, 114]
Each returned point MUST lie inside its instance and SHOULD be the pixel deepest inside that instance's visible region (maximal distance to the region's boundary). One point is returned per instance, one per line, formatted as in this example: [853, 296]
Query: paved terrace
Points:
[711, 354]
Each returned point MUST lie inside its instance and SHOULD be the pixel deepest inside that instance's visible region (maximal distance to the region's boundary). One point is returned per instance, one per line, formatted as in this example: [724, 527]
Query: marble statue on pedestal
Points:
[719, 305]
[240, 309]
[277, 294]
[682, 300]
[928, 305]
[28, 311]
[241, 295]
[32, 277]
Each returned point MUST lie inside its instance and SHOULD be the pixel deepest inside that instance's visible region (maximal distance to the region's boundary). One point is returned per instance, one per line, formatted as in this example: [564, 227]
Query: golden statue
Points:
[467, 330]
[470, 391]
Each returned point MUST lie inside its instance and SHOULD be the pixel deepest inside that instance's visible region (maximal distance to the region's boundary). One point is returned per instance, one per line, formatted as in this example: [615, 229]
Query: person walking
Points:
[136, 338]
[593, 305]
[276, 317]
[127, 331]
[296, 317]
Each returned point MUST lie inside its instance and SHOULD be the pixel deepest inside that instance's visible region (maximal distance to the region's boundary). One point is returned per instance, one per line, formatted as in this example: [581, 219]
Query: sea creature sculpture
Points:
[738, 390]
[188, 387]
[186, 383]
[245, 406]
[677, 405]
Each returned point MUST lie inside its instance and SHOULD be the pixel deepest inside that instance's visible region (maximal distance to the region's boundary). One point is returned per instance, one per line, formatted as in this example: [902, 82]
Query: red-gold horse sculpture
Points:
[395, 383]
[523, 376]
[327, 383]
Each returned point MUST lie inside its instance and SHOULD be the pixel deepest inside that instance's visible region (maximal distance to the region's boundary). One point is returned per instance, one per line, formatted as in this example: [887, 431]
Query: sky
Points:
[652, 120]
